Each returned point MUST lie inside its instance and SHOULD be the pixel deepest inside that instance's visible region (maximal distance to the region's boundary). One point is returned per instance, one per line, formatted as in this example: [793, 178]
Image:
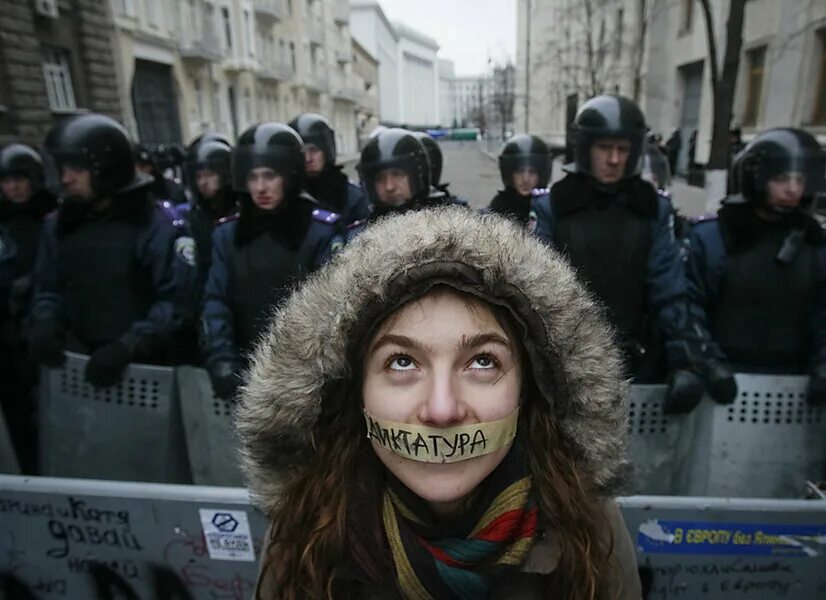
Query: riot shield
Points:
[130, 431]
[766, 444]
[208, 423]
[659, 445]
[8, 456]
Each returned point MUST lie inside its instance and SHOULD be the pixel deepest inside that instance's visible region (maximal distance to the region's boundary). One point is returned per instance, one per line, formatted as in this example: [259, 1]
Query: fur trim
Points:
[305, 353]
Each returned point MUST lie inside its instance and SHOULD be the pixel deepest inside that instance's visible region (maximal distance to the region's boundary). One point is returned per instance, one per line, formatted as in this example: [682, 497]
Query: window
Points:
[620, 31]
[819, 117]
[199, 98]
[292, 55]
[290, 7]
[58, 78]
[249, 35]
[227, 27]
[125, 7]
[687, 15]
[248, 116]
[755, 61]
[153, 12]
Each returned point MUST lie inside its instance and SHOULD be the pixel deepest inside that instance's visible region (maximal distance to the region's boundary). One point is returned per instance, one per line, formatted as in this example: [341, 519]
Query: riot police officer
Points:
[324, 179]
[617, 231]
[758, 271]
[161, 188]
[114, 275]
[24, 204]
[279, 236]
[436, 161]
[525, 168]
[207, 166]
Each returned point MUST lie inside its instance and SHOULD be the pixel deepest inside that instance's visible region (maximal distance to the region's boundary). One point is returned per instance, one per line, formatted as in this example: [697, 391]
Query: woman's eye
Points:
[483, 362]
[402, 363]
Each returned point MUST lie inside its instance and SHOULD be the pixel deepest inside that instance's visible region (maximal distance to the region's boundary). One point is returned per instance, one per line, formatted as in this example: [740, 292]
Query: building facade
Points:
[195, 65]
[56, 59]
[409, 82]
[366, 74]
[567, 51]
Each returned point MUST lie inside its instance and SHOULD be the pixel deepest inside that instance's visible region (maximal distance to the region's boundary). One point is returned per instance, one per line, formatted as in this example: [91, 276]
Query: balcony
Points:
[205, 48]
[317, 81]
[315, 31]
[271, 11]
[341, 12]
[274, 71]
[238, 64]
[343, 56]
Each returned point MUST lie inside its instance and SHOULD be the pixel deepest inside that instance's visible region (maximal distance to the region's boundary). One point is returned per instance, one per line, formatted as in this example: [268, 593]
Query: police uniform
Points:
[620, 238]
[759, 284]
[522, 152]
[330, 188]
[260, 255]
[114, 275]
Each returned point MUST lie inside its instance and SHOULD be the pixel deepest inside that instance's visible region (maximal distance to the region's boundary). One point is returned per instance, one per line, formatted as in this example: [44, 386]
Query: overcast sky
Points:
[468, 31]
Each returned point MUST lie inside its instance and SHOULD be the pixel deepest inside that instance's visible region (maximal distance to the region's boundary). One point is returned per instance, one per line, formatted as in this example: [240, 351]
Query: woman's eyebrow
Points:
[392, 339]
[480, 339]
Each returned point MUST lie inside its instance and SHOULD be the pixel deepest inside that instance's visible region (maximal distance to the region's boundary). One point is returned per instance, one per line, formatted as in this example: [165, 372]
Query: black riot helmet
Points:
[143, 155]
[434, 156]
[273, 145]
[523, 151]
[314, 129]
[775, 152]
[22, 161]
[214, 155]
[99, 144]
[207, 136]
[655, 167]
[608, 116]
[395, 149]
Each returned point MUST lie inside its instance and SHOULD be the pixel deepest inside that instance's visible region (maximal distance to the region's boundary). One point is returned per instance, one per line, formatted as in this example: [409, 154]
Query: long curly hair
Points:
[327, 538]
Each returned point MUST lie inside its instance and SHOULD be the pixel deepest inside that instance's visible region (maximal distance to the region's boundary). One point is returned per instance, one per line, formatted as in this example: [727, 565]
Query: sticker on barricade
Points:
[227, 534]
[747, 539]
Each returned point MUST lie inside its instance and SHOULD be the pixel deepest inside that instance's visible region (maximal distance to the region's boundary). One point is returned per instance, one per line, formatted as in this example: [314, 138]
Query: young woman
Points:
[438, 413]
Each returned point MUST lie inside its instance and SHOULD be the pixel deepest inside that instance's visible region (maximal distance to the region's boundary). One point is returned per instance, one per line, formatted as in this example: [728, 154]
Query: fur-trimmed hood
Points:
[304, 355]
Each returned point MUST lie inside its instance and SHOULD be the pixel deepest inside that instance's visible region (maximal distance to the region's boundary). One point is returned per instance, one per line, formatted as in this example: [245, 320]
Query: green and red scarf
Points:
[437, 559]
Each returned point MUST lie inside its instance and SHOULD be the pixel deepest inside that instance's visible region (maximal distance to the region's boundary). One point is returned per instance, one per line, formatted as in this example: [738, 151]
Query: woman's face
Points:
[442, 361]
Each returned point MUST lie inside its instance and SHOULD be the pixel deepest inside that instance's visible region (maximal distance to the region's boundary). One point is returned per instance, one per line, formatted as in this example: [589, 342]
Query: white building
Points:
[781, 79]
[408, 66]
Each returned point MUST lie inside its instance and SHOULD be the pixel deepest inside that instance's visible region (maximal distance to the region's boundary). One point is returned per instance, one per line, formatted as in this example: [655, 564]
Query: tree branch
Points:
[712, 43]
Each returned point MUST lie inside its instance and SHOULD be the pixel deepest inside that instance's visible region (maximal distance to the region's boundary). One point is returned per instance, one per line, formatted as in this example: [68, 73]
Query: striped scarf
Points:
[462, 558]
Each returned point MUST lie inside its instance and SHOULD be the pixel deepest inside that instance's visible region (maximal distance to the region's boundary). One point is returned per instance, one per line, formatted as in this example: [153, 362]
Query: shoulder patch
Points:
[168, 210]
[227, 219]
[185, 249]
[703, 218]
[325, 216]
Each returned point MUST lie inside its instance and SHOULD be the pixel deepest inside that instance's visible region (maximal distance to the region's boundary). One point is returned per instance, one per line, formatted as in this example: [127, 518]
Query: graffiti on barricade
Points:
[94, 548]
[720, 559]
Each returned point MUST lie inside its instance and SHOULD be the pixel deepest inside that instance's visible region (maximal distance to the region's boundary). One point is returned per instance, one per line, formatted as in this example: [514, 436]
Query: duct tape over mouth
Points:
[442, 444]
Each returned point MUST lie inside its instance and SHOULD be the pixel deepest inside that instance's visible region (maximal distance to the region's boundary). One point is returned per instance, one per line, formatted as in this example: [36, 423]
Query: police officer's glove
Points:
[816, 392]
[720, 382]
[684, 392]
[46, 339]
[226, 379]
[106, 364]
